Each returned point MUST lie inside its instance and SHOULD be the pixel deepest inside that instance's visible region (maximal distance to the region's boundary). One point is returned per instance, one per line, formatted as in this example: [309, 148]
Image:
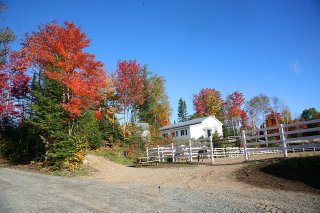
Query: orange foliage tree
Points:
[273, 119]
[129, 85]
[208, 102]
[235, 113]
[57, 53]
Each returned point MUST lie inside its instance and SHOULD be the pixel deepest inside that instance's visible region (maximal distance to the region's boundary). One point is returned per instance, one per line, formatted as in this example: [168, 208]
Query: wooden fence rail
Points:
[282, 138]
[276, 139]
[183, 150]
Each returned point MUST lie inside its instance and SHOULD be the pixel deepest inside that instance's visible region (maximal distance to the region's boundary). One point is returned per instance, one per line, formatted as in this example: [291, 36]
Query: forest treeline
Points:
[57, 101]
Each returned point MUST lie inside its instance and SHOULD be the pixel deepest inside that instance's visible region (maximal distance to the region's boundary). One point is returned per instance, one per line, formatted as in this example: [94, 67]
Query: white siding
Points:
[196, 131]
[185, 136]
[213, 124]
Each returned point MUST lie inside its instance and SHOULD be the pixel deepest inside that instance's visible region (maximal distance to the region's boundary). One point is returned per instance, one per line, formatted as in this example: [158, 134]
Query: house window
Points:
[182, 132]
[165, 135]
[176, 133]
[186, 131]
[173, 134]
[209, 133]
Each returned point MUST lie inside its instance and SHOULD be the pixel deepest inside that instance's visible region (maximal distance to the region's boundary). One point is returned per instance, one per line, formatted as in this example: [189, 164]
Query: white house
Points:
[143, 130]
[193, 129]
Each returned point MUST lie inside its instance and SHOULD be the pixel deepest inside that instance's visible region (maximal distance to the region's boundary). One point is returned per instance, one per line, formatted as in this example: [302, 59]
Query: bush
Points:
[62, 154]
[19, 143]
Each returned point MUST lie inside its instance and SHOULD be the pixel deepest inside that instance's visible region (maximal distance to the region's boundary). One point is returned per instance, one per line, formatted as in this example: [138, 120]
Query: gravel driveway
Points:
[22, 191]
[117, 188]
[31, 192]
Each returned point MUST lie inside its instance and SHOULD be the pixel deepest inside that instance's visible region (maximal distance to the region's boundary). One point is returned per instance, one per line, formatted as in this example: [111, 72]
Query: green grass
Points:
[83, 170]
[3, 162]
[115, 155]
[3, 165]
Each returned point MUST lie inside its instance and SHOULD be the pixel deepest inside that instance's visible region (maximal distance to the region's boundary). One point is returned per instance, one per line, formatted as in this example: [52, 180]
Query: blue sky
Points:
[270, 47]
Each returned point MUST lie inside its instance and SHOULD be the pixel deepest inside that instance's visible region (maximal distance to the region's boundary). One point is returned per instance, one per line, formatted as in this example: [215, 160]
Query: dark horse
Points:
[202, 153]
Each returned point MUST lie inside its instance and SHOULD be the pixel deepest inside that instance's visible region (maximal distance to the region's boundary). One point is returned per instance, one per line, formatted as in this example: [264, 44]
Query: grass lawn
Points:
[114, 154]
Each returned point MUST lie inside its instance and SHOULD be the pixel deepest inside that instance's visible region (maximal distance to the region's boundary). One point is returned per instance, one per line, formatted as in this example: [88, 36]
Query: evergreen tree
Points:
[110, 130]
[145, 113]
[48, 119]
[87, 130]
[182, 111]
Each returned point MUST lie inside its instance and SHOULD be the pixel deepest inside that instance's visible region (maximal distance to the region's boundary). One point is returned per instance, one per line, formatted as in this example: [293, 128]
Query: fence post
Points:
[283, 140]
[211, 148]
[244, 145]
[147, 151]
[172, 149]
[158, 148]
[266, 137]
[190, 151]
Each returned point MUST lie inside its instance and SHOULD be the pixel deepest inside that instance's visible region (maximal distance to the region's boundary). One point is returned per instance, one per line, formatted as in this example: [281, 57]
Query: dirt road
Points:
[117, 188]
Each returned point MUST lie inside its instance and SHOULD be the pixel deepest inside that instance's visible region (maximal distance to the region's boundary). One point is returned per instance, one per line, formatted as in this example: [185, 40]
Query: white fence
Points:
[183, 150]
[283, 138]
[276, 139]
[195, 149]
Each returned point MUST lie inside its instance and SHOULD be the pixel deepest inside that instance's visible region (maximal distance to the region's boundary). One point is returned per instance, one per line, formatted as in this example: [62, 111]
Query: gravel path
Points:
[31, 192]
[118, 188]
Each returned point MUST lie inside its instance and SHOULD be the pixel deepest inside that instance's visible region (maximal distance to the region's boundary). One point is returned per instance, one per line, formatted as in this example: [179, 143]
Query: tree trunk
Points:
[233, 129]
[71, 127]
[124, 117]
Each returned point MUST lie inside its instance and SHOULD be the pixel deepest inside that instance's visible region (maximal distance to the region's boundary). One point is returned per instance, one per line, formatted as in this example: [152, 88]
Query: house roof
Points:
[187, 123]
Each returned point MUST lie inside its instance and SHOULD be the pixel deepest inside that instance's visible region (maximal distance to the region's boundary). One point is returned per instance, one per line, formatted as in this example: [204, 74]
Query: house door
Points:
[208, 132]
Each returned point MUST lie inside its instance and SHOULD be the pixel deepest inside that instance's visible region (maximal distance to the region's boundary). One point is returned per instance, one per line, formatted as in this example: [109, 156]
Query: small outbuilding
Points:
[143, 129]
[193, 129]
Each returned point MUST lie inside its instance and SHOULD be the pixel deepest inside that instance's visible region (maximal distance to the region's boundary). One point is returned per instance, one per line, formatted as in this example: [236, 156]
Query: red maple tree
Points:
[234, 103]
[129, 84]
[208, 102]
[235, 112]
[13, 89]
[57, 52]
[273, 119]
[244, 120]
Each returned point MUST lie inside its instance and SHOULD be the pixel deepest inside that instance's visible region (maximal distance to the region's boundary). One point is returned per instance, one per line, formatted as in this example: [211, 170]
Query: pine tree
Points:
[145, 113]
[110, 130]
[48, 120]
[87, 131]
[182, 111]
